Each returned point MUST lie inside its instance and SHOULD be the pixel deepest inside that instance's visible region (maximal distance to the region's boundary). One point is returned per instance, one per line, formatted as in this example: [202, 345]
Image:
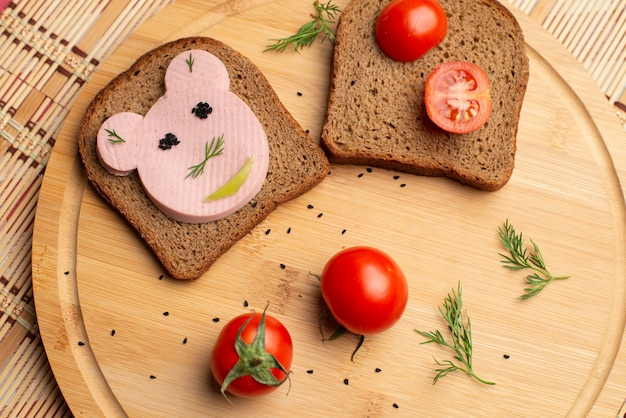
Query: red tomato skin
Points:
[436, 98]
[223, 357]
[364, 289]
[408, 29]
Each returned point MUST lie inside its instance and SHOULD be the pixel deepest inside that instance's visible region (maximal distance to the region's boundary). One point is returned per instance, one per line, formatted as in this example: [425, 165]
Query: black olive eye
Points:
[168, 141]
[202, 110]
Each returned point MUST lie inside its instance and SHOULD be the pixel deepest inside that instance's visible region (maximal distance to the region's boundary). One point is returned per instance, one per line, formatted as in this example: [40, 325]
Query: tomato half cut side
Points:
[457, 97]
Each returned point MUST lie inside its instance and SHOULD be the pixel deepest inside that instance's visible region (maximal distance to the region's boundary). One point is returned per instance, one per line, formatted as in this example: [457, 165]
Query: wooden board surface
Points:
[101, 303]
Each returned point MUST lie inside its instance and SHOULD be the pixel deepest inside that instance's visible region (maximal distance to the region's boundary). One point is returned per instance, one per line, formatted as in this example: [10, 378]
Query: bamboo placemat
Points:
[50, 49]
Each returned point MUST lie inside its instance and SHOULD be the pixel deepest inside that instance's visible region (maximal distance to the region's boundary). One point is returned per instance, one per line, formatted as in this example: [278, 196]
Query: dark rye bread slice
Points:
[376, 114]
[187, 250]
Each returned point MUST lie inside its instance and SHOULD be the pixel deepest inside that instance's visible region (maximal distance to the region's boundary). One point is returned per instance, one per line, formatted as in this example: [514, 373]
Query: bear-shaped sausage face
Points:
[200, 151]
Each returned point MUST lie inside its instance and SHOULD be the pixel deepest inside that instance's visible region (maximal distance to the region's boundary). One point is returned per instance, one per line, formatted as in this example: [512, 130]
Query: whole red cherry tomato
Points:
[364, 289]
[265, 353]
[408, 29]
[457, 97]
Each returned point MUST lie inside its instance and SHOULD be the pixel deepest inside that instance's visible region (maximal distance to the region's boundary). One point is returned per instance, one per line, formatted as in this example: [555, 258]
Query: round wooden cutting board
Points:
[125, 341]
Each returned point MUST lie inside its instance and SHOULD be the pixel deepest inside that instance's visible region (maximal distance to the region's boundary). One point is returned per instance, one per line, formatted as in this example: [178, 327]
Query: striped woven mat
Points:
[50, 49]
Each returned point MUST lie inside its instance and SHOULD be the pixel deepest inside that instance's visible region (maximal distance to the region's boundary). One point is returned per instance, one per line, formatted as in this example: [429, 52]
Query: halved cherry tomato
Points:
[457, 97]
[408, 29]
[364, 289]
[252, 355]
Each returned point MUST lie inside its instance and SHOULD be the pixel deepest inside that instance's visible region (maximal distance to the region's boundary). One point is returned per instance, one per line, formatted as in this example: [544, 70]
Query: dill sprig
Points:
[210, 150]
[519, 259]
[308, 32]
[190, 62]
[461, 338]
[114, 136]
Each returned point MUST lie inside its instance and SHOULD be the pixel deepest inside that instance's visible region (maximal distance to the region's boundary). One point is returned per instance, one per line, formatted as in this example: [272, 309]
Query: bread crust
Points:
[376, 114]
[187, 250]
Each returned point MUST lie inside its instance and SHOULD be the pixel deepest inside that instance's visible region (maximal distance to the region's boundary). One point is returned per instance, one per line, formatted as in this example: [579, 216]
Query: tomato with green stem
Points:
[252, 355]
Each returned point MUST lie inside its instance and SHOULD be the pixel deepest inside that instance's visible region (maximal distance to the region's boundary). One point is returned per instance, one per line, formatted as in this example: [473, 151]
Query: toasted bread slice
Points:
[187, 250]
[376, 114]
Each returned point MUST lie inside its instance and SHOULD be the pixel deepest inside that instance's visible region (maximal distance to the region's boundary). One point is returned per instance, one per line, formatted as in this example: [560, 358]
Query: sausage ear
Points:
[117, 143]
[196, 69]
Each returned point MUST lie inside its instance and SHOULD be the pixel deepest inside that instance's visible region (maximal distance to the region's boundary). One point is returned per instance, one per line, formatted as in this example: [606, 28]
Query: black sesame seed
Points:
[254, 204]
[360, 175]
[185, 340]
[310, 206]
[307, 131]
[396, 177]
[245, 303]
[506, 356]
[346, 381]
[343, 232]
[403, 185]
[216, 319]
[369, 169]
[202, 110]
[67, 273]
[309, 371]
[353, 82]
[377, 370]
[267, 231]
[299, 93]
[152, 377]
[112, 332]
[319, 215]
[282, 266]
[80, 343]
[166, 313]
[289, 230]
[168, 141]
[395, 405]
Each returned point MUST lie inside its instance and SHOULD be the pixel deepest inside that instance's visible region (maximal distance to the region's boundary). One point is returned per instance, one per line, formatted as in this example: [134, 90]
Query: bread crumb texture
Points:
[376, 114]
